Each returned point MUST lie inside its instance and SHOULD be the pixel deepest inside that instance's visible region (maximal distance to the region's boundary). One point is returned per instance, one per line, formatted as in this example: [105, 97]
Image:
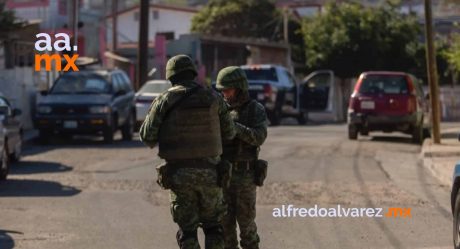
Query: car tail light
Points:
[354, 103]
[412, 100]
[412, 103]
[269, 93]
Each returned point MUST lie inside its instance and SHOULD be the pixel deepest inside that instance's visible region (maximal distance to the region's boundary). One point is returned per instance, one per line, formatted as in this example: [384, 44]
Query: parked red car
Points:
[388, 102]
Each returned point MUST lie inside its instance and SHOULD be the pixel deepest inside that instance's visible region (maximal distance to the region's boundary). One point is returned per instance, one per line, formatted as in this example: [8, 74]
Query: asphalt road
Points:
[83, 194]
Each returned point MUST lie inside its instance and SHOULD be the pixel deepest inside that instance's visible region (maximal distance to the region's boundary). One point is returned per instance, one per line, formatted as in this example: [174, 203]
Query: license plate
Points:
[70, 124]
[369, 105]
[260, 96]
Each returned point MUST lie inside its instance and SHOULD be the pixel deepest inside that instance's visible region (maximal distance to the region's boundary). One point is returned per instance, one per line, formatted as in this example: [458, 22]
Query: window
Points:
[261, 74]
[126, 81]
[155, 14]
[168, 35]
[375, 84]
[117, 83]
[3, 102]
[155, 87]
[292, 80]
[136, 16]
[80, 84]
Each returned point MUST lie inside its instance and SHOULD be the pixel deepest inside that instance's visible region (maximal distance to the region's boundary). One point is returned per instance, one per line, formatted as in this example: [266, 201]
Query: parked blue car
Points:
[455, 202]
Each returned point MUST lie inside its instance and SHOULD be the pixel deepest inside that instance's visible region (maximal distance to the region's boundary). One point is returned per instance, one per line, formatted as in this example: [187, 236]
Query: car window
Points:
[156, 87]
[3, 102]
[116, 83]
[126, 81]
[283, 77]
[75, 84]
[418, 86]
[375, 84]
[261, 74]
[286, 78]
[292, 80]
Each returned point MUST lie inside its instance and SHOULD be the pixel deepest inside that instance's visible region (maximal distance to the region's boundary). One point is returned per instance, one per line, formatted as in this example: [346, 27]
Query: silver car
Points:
[10, 136]
[4, 162]
[144, 97]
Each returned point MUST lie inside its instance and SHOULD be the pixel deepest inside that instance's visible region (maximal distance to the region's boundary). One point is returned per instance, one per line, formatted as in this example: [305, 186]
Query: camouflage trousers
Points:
[197, 201]
[241, 200]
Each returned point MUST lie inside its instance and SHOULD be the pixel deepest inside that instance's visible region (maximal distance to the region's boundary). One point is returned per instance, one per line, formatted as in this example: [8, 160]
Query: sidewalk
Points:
[440, 159]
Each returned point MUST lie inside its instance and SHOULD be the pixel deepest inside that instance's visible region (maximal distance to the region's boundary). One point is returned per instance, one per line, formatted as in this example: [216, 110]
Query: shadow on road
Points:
[35, 147]
[5, 239]
[35, 188]
[388, 139]
[36, 167]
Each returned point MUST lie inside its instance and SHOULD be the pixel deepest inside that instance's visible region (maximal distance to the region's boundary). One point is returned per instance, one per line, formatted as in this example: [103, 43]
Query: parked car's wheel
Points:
[15, 156]
[275, 117]
[44, 136]
[128, 128]
[5, 163]
[109, 131]
[352, 132]
[456, 222]
[364, 132]
[417, 134]
[426, 133]
[302, 118]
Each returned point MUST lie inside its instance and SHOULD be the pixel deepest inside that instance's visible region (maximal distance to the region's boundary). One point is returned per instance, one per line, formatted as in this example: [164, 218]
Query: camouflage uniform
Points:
[196, 199]
[251, 124]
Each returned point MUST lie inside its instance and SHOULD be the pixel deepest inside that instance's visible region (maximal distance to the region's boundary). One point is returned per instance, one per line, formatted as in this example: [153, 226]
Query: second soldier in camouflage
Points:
[243, 151]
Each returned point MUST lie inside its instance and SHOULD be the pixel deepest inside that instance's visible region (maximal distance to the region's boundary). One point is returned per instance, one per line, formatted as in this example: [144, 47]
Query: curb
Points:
[438, 163]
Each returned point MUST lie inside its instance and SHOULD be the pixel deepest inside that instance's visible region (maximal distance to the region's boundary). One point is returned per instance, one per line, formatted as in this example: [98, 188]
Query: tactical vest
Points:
[191, 129]
[237, 149]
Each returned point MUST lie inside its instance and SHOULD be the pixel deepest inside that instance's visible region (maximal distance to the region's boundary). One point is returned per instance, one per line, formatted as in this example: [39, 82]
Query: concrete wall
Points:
[178, 22]
[18, 85]
[450, 103]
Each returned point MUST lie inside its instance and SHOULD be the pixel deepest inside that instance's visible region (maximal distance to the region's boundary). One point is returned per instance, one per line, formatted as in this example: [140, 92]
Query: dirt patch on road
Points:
[339, 193]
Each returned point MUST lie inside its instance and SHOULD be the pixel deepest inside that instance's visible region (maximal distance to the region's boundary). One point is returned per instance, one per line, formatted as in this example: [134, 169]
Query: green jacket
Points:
[251, 126]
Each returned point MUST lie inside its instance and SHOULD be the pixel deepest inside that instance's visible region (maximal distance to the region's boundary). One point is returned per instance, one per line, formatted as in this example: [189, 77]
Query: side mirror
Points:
[16, 112]
[44, 92]
[120, 92]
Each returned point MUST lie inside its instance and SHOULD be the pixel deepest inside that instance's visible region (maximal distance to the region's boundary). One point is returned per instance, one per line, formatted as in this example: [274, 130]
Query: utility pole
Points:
[143, 48]
[286, 25]
[114, 24]
[432, 73]
[75, 22]
[286, 37]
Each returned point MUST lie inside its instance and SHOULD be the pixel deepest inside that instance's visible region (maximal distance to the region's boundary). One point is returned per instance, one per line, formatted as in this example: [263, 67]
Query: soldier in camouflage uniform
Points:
[188, 122]
[251, 125]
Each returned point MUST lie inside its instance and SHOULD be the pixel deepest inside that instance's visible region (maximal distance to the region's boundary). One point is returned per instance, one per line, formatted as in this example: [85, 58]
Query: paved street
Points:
[85, 194]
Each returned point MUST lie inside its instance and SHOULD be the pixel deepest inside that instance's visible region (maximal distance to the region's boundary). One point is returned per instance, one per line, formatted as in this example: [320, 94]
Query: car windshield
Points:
[3, 102]
[375, 84]
[261, 74]
[155, 87]
[80, 84]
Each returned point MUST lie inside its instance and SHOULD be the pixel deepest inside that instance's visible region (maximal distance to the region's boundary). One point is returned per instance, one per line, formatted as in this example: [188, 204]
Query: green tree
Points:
[452, 55]
[249, 19]
[349, 38]
[8, 21]
[237, 18]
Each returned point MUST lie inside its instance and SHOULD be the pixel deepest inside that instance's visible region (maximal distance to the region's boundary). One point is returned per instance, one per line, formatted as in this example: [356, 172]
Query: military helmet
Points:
[178, 64]
[232, 77]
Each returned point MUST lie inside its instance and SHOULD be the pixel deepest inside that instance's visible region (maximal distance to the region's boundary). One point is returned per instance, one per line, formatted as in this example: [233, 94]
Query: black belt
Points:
[192, 163]
[243, 165]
